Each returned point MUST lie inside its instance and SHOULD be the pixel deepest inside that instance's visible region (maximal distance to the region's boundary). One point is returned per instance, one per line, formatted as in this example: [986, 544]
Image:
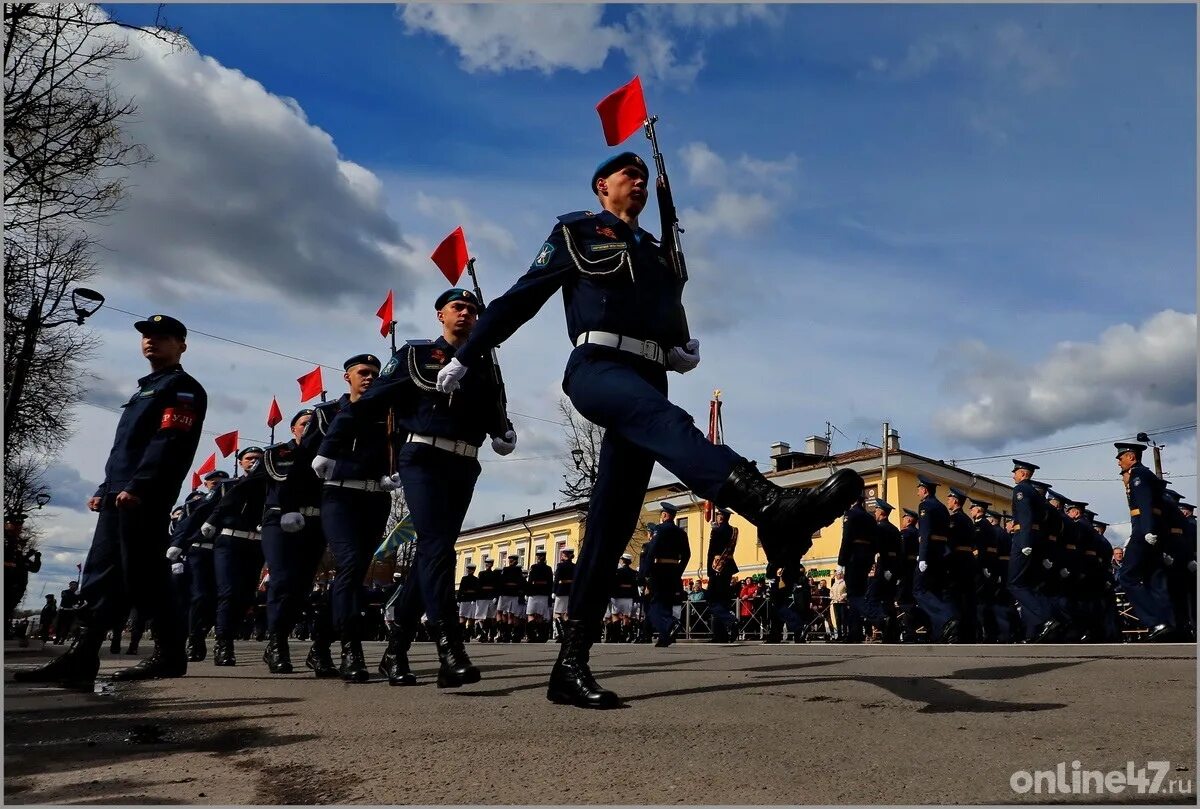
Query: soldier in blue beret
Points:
[1029, 551]
[626, 323]
[196, 552]
[126, 566]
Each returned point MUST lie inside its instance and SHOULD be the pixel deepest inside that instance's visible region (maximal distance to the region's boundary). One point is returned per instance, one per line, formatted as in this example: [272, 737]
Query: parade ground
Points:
[702, 724]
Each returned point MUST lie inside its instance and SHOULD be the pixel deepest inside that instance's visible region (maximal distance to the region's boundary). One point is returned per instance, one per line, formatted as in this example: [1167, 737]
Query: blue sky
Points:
[935, 215]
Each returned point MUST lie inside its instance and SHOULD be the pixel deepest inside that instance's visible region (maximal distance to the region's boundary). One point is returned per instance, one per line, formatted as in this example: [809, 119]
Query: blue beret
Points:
[162, 324]
[248, 450]
[306, 411]
[926, 482]
[959, 493]
[361, 359]
[457, 294]
[611, 165]
[1032, 467]
[670, 508]
[1125, 446]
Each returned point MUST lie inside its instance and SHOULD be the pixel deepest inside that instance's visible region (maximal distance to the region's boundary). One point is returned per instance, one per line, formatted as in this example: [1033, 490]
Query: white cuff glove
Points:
[177, 568]
[685, 357]
[173, 553]
[887, 575]
[389, 483]
[987, 574]
[1046, 563]
[448, 378]
[1168, 559]
[1064, 573]
[1151, 539]
[921, 566]
[1192, 566]
[1027, 551]
[841, 569]
[292, 522]
[323, 467]
[504, 445]
[208, 530]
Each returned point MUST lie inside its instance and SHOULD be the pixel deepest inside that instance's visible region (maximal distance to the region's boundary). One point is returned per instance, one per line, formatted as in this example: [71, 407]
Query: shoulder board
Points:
[277, 460]
[575, 216]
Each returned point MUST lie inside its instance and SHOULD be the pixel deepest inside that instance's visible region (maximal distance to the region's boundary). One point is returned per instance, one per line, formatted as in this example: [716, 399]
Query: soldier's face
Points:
[360, 377]
[162, 348]
[458, 317]
[249, 460]
[1126, 460]
[908, 521]
[301, 423]
[624, 190]
[211, 484]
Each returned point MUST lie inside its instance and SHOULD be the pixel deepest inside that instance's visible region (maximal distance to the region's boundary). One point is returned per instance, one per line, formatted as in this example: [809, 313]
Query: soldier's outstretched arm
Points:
[391, 389]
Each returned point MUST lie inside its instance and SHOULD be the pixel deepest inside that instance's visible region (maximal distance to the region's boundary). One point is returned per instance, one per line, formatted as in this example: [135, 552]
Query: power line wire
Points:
[1046, 450]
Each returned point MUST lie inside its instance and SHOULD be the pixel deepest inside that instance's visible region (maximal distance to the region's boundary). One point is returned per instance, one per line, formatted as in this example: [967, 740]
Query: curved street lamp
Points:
[85, 302]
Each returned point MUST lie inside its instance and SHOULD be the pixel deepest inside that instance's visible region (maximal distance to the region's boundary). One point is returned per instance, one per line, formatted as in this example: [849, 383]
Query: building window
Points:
[682, 523]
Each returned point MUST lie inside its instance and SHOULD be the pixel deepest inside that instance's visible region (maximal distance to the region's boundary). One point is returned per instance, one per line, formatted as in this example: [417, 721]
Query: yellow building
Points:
[562, 527]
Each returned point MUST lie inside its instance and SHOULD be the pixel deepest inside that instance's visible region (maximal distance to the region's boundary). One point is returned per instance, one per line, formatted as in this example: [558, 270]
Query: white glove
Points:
[987, 574]
[1151, 539]
[389, 483]
[1027, 551]
[449, 376]
[208, 530]
[292, 522]
[685, 357]
[887, 575]
[1046, 563]
[1168, 559]
[1192, 566]
[921, 566]
[177, 568]
[173, 553]
[323, 467]
[504, 445]
[1064, 573]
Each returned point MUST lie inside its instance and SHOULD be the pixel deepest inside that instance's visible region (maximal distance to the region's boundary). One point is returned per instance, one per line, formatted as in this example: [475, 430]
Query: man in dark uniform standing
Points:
[666, 558]
[626, 321]
[910, 543]
[722, 541]
[931, 583]
[624, 594]
[1030, 551]
[202, 578]
[718, 596]
[1142, 573]
[152, 452]
[467, 594]
[960, 563]
[564, 577]
[539, 592]
[485, 605]
[438, 468]
[512, 588]
[855, 557]
[882, 589]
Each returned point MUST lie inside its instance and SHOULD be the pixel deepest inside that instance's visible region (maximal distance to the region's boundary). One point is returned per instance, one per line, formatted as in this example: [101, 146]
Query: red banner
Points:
[451, 255]
[622, 112]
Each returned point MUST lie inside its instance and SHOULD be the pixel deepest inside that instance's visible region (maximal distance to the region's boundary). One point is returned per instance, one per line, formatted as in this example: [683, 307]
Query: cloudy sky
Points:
[975, 222]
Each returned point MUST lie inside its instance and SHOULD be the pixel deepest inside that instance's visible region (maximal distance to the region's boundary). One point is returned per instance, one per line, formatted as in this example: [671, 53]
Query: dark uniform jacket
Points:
[512, 581]
[489, 584]
[624, 582]
[891, 550]
[156, 437]
[195, 514]
[301, 488]
[612, 279]
[962, 533]
[359, 444]
[541, 580]
[240, 507]
[720, 539]
[858, 539]
[933, 523]
[664, 561]
[468, 588]
[1029, 512]
[564, 575]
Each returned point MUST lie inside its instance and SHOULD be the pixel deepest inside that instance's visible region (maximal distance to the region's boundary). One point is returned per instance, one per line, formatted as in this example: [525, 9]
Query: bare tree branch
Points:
[583, 441]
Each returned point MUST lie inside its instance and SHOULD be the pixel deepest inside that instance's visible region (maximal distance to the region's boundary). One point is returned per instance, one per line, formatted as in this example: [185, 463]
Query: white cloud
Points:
[244, 194]
[453, 211]
[1143, 377]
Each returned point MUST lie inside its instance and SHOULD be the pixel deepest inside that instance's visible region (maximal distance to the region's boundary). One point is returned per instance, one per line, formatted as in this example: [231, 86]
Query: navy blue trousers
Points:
[928, 590]
[662, 617]
[292, 560]
[438, 486]
[1144, 580]
[237, 563]
[126, 567]
[723, 619]
[1024, 573]
[354, 521]
[859, 594]
[202, 579]
[628, 398]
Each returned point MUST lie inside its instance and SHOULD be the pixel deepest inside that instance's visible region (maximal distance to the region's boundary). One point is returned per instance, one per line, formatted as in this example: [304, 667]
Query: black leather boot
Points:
[278, 656]
[74, 668]
[560, 627]
[456, 668]
[394, 664]
[223, 653]
[787, 517]
[320, 660]
[354, 667]
[571, 680]
[133, 648]
[168, 660]
[115, 647]
[197, 649]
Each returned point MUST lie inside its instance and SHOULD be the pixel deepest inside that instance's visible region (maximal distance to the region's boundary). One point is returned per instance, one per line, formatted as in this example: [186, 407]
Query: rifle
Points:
[502, 401]
[668, 216]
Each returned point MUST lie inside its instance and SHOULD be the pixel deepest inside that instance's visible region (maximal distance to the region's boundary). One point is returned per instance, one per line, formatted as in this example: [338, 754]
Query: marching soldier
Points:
[718, 596]
[468, 593]
[910, 544]
[722, 541]
[292, 540]
[931, 583]
[624, 593]
[1179, 555]
[1142, 573]
[485, 607]
[889, 568]
[564, 577]
[538, 594]
[198, 566]
[155, 441]
[667, 555]
[1029, 551]
[960, 564]
[512, 587]
[233, 529]
[1110, 625]
[626, 322]
[984, 542]
[855, 557]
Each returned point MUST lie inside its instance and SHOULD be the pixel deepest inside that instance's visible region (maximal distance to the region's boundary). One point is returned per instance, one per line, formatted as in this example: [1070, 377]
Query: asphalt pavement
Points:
[701, 724]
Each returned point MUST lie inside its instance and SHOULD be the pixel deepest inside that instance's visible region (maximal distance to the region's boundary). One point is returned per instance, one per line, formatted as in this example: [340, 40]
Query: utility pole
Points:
[883, 474]
[1158, 448]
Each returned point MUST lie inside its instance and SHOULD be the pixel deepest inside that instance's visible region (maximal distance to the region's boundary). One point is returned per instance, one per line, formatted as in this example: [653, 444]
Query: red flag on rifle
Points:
[451, 255]
[227, 443]
[311, 384]
[274, 415]
[622, 112]
[385, 315]
[209, 465]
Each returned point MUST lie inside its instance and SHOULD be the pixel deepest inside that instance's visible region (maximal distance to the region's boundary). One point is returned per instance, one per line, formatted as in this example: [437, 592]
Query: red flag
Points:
[209, 465]
[274, 416]
[195, 481]
[622, 112]
[227, 443]
[385, 315]
[451, 255]
[311, 384]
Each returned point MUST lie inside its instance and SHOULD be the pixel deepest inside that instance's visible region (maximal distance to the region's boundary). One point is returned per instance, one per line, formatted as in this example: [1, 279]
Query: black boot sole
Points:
[403, 679]
[570, 698]
[448, 680]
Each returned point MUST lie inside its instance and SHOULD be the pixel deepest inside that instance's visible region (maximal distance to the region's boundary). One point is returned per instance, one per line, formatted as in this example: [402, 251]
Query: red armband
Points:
[178, 417]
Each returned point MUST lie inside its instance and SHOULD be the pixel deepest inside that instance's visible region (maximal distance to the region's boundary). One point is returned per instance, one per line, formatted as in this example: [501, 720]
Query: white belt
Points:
[448, 444]
[643, 348]
[202, 545]
[241, 534]
[365, 485]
